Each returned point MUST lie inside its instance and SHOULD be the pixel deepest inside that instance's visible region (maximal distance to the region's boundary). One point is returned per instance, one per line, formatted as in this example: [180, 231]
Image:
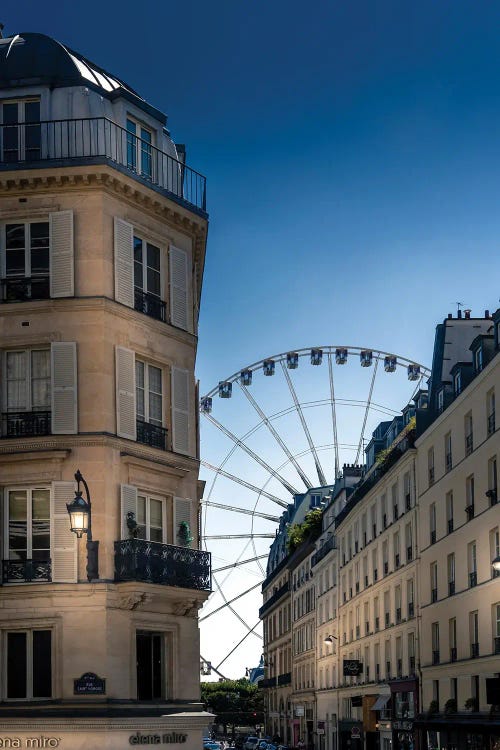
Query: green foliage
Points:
[300, 532]
[433, 707]
[471, 704]
[382, 455]
[450, 707]
[233, 702]
[184, 534]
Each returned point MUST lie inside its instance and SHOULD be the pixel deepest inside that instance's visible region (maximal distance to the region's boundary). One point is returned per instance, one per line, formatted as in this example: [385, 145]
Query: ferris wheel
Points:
[273, 430]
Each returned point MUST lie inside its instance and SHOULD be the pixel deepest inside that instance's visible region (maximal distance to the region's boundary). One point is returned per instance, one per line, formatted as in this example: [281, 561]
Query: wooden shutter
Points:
[63, 541]
[124, 262]
[180, 410]
[182, 512]
[128, 504]
[61, 254]
[180, 312]
[125, 393]
[63, 368]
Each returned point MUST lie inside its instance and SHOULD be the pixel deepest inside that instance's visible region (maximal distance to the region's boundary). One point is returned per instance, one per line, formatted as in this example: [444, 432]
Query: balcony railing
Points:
[166, 564]
[435, 657]
[496, 645]
[152, 434]
[26, 571]
[268, 682]
[453, 653]
[150, 305]
[275, 597]
[411, 609]
[473, 579]
[450, 525]
[474, 650]
[100, 140]
[469, 444]
[322, 551]
[24, 289]
[492, 494]
[434, 595]
[16, 424]
[433, 536]
[451, 588]
[491, 424]
[409, 554]
[284, 679]
[469, 512]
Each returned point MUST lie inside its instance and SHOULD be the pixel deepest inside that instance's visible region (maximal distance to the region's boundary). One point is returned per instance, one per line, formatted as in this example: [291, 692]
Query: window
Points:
[496, 628]
[149, 404]
[27, 520]
[150, 660]
[430, 465]
[449, 511]
[469, 439]
[457, 383]
[432, 523]
[495, 549]
[396, 545]
[395, 502]
[448, 459]
[150, 518]
[472, 563]
[25, 261]
[492, 492]
[29, 664]
[435, 642]
[490, 411]
[434, 581]
[451, 573]
[139, 148]
[469, 497]
[409, 597]
[398, 603]
[26, 389]
[440, 400]
[474, 634]
[411, 653]
[409, 542]
[452, 635]
[478, 359]
[147, 279]
[21, 130]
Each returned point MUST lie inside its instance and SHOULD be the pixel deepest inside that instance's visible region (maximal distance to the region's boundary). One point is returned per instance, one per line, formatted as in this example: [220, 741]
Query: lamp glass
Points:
[78, 511]
[496, 563]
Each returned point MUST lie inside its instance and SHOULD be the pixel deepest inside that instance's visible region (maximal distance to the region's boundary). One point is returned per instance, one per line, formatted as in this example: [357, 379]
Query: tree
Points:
[234, 702]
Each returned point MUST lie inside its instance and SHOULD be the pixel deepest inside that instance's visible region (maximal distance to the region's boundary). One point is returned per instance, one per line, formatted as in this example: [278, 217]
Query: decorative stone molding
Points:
[134, 600]
[186, 608]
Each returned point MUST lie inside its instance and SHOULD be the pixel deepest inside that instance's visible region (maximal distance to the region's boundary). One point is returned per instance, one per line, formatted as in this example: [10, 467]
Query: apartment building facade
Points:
[102, 246]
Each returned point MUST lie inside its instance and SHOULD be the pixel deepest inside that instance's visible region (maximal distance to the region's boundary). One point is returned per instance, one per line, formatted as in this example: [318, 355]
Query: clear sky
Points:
[352, 152]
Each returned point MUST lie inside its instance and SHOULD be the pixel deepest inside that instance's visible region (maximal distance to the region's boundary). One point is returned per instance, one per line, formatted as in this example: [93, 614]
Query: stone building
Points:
[102, 244]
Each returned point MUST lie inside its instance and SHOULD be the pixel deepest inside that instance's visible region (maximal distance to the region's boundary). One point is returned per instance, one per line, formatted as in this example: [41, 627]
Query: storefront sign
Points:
[355, 733]
[406, 726]
[321, 727]
[157, 739]
[40, 741]
[299, 710]
[89, 684]
[352, 667]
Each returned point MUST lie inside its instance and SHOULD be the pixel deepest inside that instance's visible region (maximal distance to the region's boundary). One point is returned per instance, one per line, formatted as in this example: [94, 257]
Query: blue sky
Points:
[351, 151]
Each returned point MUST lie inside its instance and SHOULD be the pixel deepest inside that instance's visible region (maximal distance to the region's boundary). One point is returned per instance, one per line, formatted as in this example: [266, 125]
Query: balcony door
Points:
[150, 665]
[21, 131]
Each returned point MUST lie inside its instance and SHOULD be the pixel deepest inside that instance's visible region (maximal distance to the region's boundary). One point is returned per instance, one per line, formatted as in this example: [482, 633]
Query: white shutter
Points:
[63, 541]
[63, 369]
[182, 512]
[124, 262]
[180, 410]
[180, 312]
[125, 393]
[61, 254]
[128, 504]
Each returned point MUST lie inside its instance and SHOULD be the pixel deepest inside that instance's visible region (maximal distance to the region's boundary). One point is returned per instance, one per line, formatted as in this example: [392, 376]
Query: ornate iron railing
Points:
[152, 434]
[166, 564]
[16, 424]
[150, 305]
[24, 289]
[26, 571]
[285, 679]
[100, 139]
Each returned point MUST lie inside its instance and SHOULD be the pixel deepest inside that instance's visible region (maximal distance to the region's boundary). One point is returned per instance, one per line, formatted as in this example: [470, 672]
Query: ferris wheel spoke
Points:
[334, 416]
[237, 645]
[240, 562]
[321, 475]
[292, 490]
[276, 436]
[245, 511]
[249, 486]
[367, 410]
[227, 602]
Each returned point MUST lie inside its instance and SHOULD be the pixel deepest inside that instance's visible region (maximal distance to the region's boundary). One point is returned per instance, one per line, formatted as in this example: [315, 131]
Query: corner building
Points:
[102, 243]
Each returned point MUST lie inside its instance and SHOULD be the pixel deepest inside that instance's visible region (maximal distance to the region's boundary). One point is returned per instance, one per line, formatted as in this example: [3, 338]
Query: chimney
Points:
[486, 314]
[467, 314]
[459, 314]
[450, 316]
[1, 30]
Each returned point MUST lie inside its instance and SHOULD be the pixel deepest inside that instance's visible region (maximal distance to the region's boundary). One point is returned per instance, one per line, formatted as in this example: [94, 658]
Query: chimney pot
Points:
[467, 314]
[459, 314]
[450, 316]
[486, 313]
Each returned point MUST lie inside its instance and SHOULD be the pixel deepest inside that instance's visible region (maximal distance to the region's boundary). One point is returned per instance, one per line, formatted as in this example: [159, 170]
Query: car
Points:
[251, 743]
[211, 745]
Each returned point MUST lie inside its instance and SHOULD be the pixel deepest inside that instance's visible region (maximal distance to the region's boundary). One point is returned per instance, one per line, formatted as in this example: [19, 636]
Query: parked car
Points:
[251, 743]
[211, 745]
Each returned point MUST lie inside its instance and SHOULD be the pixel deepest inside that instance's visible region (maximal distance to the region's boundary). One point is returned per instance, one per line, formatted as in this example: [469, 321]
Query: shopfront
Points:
[404, 698]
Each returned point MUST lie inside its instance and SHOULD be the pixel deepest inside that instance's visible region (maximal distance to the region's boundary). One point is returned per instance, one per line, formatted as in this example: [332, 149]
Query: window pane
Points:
[41, 504]
[154, 380]
[154, 285]
[14, 236]
[17, 505]
[15, 249]
[40, 379]
[141, 510]
[155, 415]
[16, 665]
[155, 510]
[18, 527]
[139, 382]
[10, 113]
[39, 247]
[41, 525]
[153, 254]
[16, 381]
[131, 145]
[42, 664]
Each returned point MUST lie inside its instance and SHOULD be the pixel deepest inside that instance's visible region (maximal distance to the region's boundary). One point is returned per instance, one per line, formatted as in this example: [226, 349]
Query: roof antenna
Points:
[1, 30]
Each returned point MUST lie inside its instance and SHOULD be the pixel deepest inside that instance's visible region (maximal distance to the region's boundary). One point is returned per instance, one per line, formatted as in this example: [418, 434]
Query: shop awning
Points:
[381, 702]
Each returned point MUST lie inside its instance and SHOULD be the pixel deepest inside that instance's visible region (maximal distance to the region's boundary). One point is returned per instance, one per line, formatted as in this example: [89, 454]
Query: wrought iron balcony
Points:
[474, 650]
[473, 579]
[451, 588]
[150, 305]
[453, 653]
[166, 564]
[434, 595]
[152, 434]
[469, 512]
[469, 444]
[496, 645]
[450, 525]
[449, 462]
[285, 679]
[98, 140]
[16, 424]
[26, 571]
[435, 657]
[24, 289]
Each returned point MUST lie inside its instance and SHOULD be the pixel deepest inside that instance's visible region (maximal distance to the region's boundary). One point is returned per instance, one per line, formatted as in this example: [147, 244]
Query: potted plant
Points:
[450, 707]
[433, 707]
[471, 704]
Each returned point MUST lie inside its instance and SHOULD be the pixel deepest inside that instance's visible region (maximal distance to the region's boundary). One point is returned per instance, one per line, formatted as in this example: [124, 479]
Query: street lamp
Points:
[330, 639]
[80, 516]
[495, 564]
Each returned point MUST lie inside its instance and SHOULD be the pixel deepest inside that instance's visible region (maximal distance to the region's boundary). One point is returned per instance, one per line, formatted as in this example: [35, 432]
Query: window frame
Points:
[28, 380]
[147, 525]
[29, 519]
[21, 125]
[162, 251]
[146, 388]
[135, 140]
[28, 630]
[27, 224]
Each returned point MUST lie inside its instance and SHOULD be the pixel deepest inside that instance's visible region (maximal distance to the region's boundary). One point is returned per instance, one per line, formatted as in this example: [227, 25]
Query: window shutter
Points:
[128, 504]
[124, 262]
[64, 388]
[63, 541]
[180, 313]
[61, 254]
[182, 512]
[180, 410]
[125, 393]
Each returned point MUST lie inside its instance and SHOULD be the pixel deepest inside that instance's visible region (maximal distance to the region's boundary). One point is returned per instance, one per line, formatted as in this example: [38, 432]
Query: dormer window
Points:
[457, 383]
[440, 400]
[139, 148]
[21, 135]
[478, 359]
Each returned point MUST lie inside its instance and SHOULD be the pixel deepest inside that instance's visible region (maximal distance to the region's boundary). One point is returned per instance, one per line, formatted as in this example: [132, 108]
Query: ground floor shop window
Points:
[150, 665]
[29, 664]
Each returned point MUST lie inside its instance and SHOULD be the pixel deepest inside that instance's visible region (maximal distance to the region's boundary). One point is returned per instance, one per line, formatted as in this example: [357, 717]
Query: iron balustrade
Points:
[435, 657]
[469, 511]
[450, 525]
[449, 462]
[474, 650]
[434, 595]
[496, 645]
[26, 571]
[453, 653]
[150, 305]
[100, 139]
[17, 424]
[24, 289]
[284, 679]
[451, 588]
[165, 564]
[267, 682]
[433, 537]
[469, 445]
[411, 609]
[275, 597]
[323, 551]
[473, 579]
[491, 424]
[152, 435]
